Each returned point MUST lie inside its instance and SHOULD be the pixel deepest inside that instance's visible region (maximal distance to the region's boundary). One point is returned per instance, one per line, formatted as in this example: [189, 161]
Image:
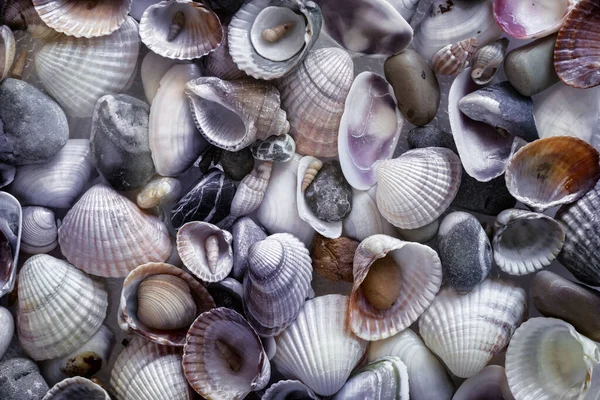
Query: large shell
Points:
[58, 182]
[77, 72]
[489, 383]
[11, 221]
[454, 58]
[314, 95]
[180, 29]
[40, 234]
[277, 282]
[531, 19]
[318, 348]
[7, 51]
[223, 357]
[251, 190]
[488, 60]
[414, 189]
[76, 388]
[467, 330]
[232, 115]
[60, 307]
[105, 234]
[364, 219]
[420, 279]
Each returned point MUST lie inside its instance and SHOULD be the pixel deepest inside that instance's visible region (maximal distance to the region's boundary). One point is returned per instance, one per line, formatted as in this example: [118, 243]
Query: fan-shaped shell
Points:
[105, 234]
[40, 234]
[60, 307]
[531, 19]
[454, 58]
[7, 51]
[289, 388]
[251, 191]
[11, 221]
[76, 388]
[488, 60]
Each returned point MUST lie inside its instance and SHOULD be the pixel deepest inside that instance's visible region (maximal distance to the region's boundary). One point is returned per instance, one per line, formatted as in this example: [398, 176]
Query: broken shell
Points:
[365, 219]
[488, 60]
[40, 234]
[489, 383]
[76, 388]
[333, 258]
[289, 389]
[312, 169]
[251, 190]
[7, 51]
[159, 191]
[454, 58]
[531, 19]
[11, 221]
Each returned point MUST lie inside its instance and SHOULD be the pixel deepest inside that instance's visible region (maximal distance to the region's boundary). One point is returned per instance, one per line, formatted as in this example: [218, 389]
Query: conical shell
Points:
[488, 60]
[223, 357]
[7, 51]
[60, 307]
[467, 330]
[11, 221]
[454, 58]
[489, 383]
[21, 15]
[414, 189]
[251, 191]
[277, 282]
[234, 114]
[76, 388]
[40, 234]
[420, 279]
[180, 29]
[147, 371]
[105, 234]
[220, 64]
[533, 19]
[289, 388]
[318, 348]
[77, 72]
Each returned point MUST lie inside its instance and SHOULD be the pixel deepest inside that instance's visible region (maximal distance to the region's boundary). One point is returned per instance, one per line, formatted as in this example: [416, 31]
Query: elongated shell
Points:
[414, 189]
[289, 389]
[251, 191]
[60, 307]
[7, 51]
[77, 72]
[531, 19]
[40, 234]
[105, 234]
[11, 221]
[223, 357]
[489, 383]
[318, 348]
[75, 389]
[488, 60]
[454, 58]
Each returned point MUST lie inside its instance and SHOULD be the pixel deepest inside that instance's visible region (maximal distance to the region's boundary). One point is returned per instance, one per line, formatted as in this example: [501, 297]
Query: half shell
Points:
[220, 64]
[75, 389]
[11, 221]
[490, 382]
[152, 70]
[531, 19]
[40, 234]
[289, 389]
[20, 15]
[7, 51]
[251, 190]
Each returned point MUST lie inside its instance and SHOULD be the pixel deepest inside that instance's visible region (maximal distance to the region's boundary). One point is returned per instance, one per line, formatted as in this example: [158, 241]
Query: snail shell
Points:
[488, 60]
[277, 32]
[454, 58]
[311, 172]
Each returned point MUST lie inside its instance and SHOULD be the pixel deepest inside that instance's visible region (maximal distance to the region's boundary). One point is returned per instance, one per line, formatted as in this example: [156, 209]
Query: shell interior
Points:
[11, 222]
[290, 42]
[531, 19]
[75, 389]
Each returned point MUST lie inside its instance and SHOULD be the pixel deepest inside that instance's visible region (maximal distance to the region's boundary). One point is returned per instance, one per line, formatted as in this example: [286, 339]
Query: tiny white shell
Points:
[40, 234]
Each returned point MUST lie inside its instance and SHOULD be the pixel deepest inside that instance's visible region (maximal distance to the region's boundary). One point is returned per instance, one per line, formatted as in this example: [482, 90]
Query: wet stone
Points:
[275, 148]
[237, 164]
[245, 233]
[329, 196]
[20, 379]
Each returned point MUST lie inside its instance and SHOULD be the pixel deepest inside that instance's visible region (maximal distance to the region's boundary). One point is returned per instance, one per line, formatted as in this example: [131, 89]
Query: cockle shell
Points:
[251, 190]
[21, 15]
[60, 307]
[531, 19]
[490, 382]
[467, 330]
[105, 234]
[7, 51]
[75, 389]
[159, 191]
[39, 234]
[11, 221]
[414, 189]
[454, 58]
[289, 389]
[220, 64]
[365, 219]
[488, 60]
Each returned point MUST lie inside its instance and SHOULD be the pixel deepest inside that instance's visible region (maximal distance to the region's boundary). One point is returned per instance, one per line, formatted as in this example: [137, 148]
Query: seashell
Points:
[219, 63]
[60, 307]
[105, 234]
[552, 171]
[88, 19]
[490, 382]
[417, 278]
[369, 129]
[312, 169]
[534, 19]
[174, 140]
[11, 222]
[39, 234]
[76, 388]
[18, 67]
[183, 285]
[364, 219]
[234, 114]
[548, 359]
[59, 182]
[453, 58]
[223, 357]
[152, 70]
[277, 282]
[467, 330]
[275, 148]
[251, 190]
[7, 51]
[148, 371]
[488, 60]
[7, 174]
[278, 32]
[139, 6]
[180, 29]
[205, 250]
[21, 15]
[245, 233]
[435, 178]
[266, 60]
[317, 348]
[318, 87]
[406, 8]
[289, 389]
[525, 242]
[159, 191]
[77, 72]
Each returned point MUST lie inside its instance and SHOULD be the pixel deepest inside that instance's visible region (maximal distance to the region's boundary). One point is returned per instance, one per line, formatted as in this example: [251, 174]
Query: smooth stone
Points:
[14, 350]
[245, 233]
[333, 258]
[464, 249]
[275, 148]
[119, 141]
[530, 68]
[557, 297]
[7, 324]
[430, 136]
[329, 196]
[415, 85]
[20, 379]
[7, 174]
[33, 127]
[237, 164]
[208, 159]
[502, 107]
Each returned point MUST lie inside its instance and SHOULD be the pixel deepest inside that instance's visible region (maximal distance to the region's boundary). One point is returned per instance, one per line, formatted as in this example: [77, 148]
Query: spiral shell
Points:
[488, 60]
[251, 191]
[454, 58]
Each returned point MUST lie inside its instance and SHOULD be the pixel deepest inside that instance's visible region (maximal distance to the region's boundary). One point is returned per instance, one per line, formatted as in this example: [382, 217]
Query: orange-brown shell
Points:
[453, 58]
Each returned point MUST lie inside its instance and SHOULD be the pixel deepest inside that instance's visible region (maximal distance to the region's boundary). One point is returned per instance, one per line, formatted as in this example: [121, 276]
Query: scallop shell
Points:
[414, 189]
[490, 382]
[289, 389]
[21, 15]
[251, 190]
[364, 219]
[223, 357]
[75, 389]
[180, 29]
[77, 72]
[60, 307]
[453, 58]
[105, 234]
[220, 64]
[531, 19]
[488, 60]
[11, 221]
[7, 51]
[318, 348]
[40, 234]
[467, 330]
[159, 191]
[152, 70]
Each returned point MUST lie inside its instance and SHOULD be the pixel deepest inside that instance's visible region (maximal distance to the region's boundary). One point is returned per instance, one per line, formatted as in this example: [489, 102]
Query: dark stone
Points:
[33, 127]
[329, 196]
[20, 379]
[275, 148]
[430, 136]
[228, 7]
[237, 164]
[208, 159]
[245, 233]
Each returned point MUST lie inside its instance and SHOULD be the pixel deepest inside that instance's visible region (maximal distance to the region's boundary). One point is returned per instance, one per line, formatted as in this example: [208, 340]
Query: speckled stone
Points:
[333, 258]
[329, 196]
[245, 233]
[275, 148]
[7, 329]
[464, 250]
[20, 379]
[237, 164]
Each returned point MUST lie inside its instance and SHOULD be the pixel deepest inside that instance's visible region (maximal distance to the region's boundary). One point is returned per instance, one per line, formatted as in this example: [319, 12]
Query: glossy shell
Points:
[531, 19]
[488, 60]
[454, 58]
[251, 190]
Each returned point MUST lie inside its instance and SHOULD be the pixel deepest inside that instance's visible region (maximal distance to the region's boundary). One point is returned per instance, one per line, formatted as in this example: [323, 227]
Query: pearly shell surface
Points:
[153, 68]
[488, 60]
[39, 234]
[454, 58]
[531, 19]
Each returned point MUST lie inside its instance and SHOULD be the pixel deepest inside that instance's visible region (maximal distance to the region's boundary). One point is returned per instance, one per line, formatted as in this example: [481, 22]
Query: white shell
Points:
[364, 219]
[159, 191]
[289, 43]
[251, 190]
[406, 8]
[11, 221]
[76, 388]
[39, 234]
[289, 388]
[420, 235]
[7, 51]
[153, 68]
[489, 383]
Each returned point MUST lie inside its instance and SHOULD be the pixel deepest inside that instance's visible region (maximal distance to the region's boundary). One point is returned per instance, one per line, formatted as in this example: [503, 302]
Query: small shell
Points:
[11, 222]
[159, 191]
[454, 58]
[489, 383]
[531, 19]
[309, 175]
[251, 190]
[277, 33]
[40, 234]
[488, 60]
[21, 15]
[289, 389]
[7, 51]
[76, 388]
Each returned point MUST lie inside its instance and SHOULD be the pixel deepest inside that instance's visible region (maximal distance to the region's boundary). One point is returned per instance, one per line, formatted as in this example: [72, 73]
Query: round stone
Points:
[237, 164]
[20, 379]
[329, 196]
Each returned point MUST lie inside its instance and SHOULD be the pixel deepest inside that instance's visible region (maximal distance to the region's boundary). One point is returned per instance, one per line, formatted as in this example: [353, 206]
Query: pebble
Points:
[275, 148]
[237, 164]
[25, 139]
[333, 258]
[430, 136]
[329, 196]
[245, 233]
[119, 141]
[20, 379]
[7, 324]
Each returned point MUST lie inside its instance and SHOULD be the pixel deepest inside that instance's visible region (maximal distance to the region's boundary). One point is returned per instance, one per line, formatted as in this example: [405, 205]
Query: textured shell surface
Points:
[406, 8]
[488, 60]
[7, 51]
[365, 219]
[76, 388]
[251, 191]
[490, 382]
[11, 221]
[40, 234]
[153, 68]
[531, 19]
[289, 388]
[454, 58]
[220, 64]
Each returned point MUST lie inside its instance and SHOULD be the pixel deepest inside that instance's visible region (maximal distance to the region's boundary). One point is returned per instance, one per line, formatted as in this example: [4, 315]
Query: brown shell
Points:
[332, 258]
[454, 58]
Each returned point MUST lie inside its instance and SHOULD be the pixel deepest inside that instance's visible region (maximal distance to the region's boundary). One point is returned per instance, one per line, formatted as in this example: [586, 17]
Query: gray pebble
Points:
[7, 329]
[329, 196]
[275, 148]
[20, 379]
[430, 136]
[245, 233]
[237, 165]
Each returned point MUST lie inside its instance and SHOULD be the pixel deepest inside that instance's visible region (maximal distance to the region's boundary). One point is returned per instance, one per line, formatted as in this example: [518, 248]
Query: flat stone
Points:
[275, 148]
[237, 164]
[7, 329]
[333, 258]
[20, 379]
[245, 233]
[329, 196]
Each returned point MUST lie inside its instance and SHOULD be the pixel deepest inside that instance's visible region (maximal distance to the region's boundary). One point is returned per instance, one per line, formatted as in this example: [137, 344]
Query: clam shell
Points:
[531, 19]
[105, 234]
[251, 190]
[7, 51]
[219, 63]
[60, 307]
[490, 382]
[414, 189]
[488, 60]
[152, 70]
[406, 8]
[364, 219]
[11, 221]
[39, 234]
[454, 58]
[159, 191]
[289, 389]
[318, 348]
[75, 389]
[467, 330]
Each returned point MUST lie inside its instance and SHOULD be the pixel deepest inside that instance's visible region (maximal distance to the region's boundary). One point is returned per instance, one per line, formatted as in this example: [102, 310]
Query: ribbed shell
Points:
[39, 234]
[416, 188]
[147, 371]
[76, 388]
[314, 95]
[251, 190]
[488, 60]
[60, 307]
[7, 51]
[467, 330]
[220, 64]
[289, 389]
[454, 58]
[77, 72]
[105, 234]
[277, 282]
